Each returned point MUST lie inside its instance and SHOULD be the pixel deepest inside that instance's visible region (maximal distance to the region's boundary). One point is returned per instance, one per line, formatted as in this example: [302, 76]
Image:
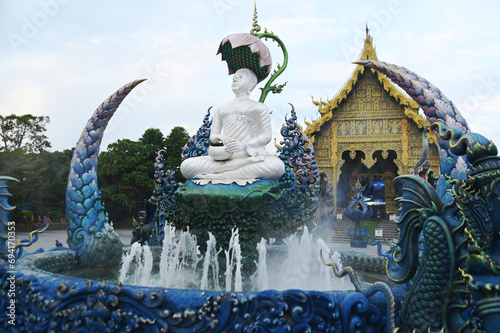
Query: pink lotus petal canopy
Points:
[244, 50]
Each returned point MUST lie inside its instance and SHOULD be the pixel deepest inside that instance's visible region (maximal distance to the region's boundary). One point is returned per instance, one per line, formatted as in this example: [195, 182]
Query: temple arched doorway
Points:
[378, 180]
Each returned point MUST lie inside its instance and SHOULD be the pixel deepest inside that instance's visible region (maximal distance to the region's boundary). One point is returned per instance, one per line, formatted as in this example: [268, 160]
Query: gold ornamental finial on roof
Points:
[368, 38]
[368, 52]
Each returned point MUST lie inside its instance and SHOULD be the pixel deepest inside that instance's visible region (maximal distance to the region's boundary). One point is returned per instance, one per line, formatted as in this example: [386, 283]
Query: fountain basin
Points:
[47, 301]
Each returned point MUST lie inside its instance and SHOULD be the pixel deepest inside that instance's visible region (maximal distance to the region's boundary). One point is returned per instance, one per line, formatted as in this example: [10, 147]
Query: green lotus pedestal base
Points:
[215, 200]
[266, 208]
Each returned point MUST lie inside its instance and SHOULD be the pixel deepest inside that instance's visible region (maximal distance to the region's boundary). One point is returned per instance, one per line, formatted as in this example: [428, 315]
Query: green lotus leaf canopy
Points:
[244, 50]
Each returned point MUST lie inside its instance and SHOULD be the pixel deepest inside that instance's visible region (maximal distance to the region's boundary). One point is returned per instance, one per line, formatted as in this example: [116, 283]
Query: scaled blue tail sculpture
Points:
[437, 108]
[89, 232]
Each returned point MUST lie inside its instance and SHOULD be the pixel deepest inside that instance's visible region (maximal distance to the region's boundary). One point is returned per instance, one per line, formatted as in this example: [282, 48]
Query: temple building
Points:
[371, 131]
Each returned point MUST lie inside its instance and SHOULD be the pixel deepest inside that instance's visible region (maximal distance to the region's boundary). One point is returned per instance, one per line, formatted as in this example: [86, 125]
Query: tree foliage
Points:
[125, 175]
[152, 137]
[43, 179]
[24, 132]
[126, 169]
[174, 143]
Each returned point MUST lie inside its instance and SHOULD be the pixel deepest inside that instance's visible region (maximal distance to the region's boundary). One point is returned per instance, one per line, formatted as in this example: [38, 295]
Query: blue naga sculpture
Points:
[357, 211]
[198, 143]
[7, 229]
[448, 248]
[437, 108]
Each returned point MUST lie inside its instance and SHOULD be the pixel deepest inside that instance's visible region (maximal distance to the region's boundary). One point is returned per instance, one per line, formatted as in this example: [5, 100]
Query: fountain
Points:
[447, 248]
[179, 263]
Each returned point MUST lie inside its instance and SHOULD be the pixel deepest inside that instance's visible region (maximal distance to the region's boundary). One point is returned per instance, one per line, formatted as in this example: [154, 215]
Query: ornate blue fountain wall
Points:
[49, 302]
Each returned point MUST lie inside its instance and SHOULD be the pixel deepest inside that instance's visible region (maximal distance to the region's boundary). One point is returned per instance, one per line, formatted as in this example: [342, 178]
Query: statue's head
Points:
[244, 81]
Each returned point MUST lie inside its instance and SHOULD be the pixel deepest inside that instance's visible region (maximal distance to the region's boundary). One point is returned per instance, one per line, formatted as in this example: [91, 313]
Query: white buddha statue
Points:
[243, 126]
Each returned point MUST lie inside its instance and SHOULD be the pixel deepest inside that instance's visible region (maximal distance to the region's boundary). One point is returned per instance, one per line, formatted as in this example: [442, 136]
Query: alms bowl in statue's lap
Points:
[219, 153]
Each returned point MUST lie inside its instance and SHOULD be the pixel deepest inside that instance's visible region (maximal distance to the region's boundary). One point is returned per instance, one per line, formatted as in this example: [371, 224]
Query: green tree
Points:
[126, 173]
[152, 141]
[56, 174]
[126, 170]
[152, 137]
[43, 179]
[25, 131]
[124, 176]
[22, 166]
[42, 174]
[174, 143]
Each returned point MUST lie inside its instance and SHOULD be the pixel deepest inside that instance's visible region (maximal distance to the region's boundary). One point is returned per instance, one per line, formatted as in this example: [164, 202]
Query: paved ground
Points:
[48, 239]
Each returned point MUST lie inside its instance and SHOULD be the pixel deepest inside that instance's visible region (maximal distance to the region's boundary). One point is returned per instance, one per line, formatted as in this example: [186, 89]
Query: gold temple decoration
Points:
[369, 114]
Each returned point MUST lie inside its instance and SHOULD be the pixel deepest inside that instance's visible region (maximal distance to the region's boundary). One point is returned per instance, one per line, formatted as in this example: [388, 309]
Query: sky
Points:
[62, 58]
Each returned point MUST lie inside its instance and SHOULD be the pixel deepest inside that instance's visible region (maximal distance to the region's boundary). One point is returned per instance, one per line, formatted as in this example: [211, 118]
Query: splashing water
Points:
[143, 265]
[294, 266]
[262, 282]
[300, 266]
[211, 263]
[233, 262]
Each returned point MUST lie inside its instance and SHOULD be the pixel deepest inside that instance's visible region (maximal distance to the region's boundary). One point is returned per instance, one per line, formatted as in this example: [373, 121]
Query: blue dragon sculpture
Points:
[448, 249]
[89, 233]
[297, 153]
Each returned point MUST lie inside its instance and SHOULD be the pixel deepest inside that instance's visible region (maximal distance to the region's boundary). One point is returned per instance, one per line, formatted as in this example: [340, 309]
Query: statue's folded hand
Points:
[256, 159]
[234, 146]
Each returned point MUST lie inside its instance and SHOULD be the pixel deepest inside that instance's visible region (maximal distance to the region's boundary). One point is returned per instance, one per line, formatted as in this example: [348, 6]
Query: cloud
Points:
[27, 97]
[87, 50]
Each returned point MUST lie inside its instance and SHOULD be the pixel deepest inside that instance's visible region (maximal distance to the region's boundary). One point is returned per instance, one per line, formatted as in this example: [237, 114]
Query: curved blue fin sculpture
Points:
[297, 153]
[198, 143]
[89, 233]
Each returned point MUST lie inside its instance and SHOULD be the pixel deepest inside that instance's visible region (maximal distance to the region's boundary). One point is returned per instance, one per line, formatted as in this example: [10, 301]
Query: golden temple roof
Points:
[326, 108]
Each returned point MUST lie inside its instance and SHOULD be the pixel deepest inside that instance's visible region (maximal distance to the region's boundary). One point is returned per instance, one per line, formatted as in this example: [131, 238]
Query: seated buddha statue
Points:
[242, 129]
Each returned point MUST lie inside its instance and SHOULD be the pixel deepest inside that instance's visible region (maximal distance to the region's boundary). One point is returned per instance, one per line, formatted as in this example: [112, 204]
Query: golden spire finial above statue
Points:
[255, 25]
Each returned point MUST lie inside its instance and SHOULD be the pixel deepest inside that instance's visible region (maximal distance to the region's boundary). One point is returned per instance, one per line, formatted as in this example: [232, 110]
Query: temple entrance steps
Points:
[337, 232]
